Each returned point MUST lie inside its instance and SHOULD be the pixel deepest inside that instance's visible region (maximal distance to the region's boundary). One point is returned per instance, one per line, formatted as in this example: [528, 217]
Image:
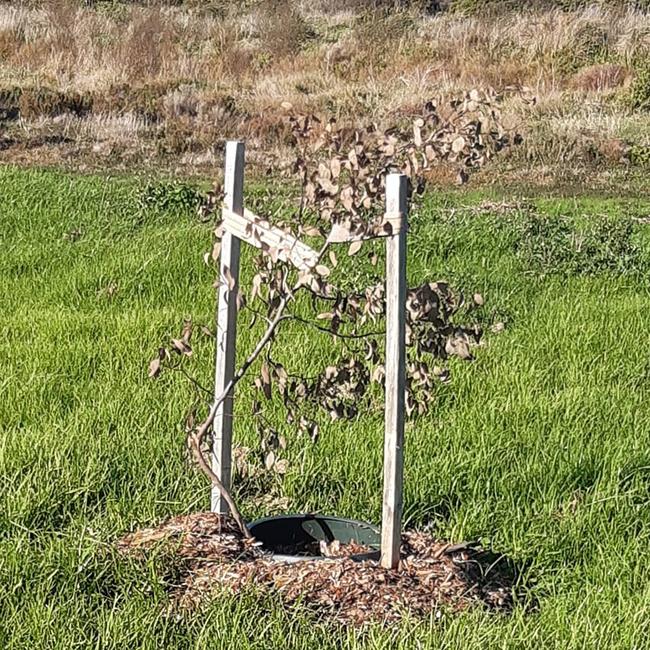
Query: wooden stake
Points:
[227, 325]
[391, 520]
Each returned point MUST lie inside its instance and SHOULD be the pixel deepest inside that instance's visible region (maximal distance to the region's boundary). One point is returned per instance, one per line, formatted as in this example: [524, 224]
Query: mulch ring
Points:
[210, 553]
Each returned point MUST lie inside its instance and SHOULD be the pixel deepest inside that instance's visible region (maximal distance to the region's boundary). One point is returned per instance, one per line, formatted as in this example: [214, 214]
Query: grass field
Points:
[541, 446]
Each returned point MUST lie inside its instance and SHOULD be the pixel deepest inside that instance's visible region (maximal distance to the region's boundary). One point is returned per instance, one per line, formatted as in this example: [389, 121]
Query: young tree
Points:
[341, 175]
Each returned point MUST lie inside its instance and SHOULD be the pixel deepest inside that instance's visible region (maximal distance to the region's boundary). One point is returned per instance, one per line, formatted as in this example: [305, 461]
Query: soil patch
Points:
[210, 554]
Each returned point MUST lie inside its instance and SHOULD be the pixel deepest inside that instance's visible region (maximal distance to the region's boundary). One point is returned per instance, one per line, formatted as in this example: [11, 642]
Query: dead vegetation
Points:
[207, 553]
[112, 84]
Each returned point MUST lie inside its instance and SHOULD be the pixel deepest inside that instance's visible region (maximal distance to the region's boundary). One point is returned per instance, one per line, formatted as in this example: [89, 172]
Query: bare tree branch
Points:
[195, 443]
[326, 330]
[198, 437]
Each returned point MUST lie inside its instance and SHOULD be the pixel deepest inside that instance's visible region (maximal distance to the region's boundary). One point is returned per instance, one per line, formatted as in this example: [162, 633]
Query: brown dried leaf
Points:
[181, 347]
[266, 380]
[154, 368]
[186, 335]
[329, 187]
[230, 280]
[458, 347]
[458, 144]
[417, 135]
[355, 247]
[324, 173]
[347, 198]
[257, 284]
[311, 231]
[281, 466]
[240, 300]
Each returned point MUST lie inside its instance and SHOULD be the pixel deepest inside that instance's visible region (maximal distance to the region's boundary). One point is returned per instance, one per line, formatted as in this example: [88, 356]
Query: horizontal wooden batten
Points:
[259, 233]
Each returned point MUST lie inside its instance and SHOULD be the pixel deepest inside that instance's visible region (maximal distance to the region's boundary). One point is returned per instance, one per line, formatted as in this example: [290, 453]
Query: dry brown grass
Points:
[168, 84]
[600, 77]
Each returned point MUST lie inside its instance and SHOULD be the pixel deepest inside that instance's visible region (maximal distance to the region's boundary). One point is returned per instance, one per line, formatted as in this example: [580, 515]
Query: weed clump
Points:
[555, 245]
[167, 196]
[639, 94]
[599, 77]
[640, 155]
[282, 28]
[590, 46]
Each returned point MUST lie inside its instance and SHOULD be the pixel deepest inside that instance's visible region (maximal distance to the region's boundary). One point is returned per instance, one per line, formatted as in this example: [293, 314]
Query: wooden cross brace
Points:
[279, 244]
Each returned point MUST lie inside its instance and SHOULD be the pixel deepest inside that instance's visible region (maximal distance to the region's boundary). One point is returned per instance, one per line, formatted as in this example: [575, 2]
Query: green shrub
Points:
[640, 155]
[590, 46]
[170, 196]
[501, 6]
[638, 96]
[551, 244]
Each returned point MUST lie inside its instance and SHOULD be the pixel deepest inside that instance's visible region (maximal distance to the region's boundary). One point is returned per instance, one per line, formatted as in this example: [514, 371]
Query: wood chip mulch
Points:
[209, 554]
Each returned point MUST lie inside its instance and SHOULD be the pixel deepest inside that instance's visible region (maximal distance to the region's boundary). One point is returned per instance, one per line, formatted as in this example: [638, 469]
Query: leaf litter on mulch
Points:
[210, 554]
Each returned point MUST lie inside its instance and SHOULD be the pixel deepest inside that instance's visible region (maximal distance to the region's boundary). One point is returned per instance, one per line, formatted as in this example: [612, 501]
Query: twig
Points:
[197, 438]
[197, 385]
[326, 330]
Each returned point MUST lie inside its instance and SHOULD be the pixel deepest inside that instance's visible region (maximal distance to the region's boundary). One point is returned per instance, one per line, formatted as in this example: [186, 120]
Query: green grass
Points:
[541, 446]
